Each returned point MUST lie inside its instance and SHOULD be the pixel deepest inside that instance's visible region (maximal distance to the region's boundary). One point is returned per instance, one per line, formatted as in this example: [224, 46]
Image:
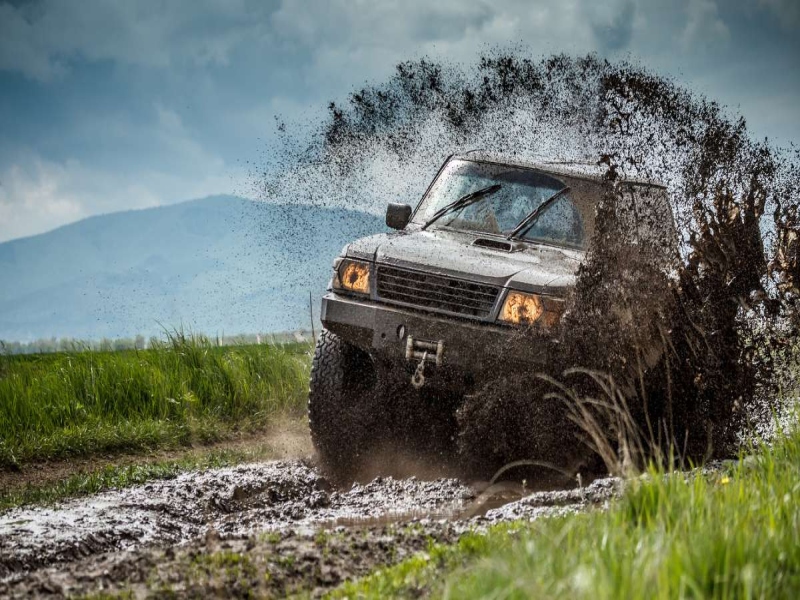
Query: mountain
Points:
[220, 264]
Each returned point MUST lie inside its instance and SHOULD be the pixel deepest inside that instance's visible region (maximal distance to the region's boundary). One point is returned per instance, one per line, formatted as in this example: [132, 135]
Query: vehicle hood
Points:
[536, 268]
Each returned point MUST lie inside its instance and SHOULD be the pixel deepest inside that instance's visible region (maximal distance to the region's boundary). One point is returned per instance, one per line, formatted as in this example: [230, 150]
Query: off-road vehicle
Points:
[415, 319]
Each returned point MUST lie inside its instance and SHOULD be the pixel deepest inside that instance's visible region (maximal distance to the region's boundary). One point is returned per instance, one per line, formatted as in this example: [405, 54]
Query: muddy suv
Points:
[416, 319]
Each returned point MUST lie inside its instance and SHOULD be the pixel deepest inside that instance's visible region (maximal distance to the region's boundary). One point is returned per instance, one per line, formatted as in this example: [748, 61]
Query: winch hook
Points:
[418, 378]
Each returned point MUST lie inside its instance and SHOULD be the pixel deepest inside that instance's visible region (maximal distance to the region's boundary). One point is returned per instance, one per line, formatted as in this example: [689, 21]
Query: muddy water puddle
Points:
[231, 502]
[457, 510]
[241, 501]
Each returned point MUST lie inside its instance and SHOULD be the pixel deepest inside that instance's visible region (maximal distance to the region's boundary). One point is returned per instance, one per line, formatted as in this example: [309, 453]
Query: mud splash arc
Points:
[722, 321]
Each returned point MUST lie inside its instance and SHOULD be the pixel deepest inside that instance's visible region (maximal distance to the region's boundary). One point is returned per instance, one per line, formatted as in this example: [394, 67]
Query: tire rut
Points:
[114, 539]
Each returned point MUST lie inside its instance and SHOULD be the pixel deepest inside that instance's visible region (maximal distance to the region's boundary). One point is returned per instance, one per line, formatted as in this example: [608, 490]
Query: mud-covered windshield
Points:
[521, 192]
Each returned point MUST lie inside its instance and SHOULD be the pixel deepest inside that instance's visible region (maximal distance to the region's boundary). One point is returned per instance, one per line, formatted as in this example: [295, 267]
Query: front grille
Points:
[436, 292]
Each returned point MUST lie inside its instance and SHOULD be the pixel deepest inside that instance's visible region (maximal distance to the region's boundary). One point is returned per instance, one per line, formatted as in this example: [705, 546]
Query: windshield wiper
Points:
[463, 202]
[528, 221]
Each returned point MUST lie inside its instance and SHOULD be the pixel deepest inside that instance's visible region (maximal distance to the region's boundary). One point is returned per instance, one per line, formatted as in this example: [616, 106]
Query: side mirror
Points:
[398, 215]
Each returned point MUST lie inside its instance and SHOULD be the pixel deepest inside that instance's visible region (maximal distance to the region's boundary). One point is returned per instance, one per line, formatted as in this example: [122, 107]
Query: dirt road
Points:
[119, 539]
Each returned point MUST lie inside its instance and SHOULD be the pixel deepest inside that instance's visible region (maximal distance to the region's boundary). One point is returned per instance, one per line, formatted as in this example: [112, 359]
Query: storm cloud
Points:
[108, 105]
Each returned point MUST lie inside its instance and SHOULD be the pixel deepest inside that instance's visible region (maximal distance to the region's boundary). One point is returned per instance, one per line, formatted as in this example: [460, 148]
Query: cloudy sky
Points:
[109, 105]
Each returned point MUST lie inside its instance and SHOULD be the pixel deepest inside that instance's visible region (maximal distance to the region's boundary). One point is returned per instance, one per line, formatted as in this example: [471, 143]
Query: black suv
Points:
[491, 249]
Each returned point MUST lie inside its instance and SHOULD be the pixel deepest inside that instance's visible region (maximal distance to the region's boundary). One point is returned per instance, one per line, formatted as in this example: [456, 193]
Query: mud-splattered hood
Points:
[527, 267]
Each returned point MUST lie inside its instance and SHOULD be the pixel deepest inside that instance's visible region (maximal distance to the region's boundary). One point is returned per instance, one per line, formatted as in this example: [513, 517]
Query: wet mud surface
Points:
[284, 517]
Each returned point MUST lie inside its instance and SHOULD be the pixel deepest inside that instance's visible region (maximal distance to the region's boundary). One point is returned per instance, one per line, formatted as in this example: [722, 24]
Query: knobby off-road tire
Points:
[343, 409]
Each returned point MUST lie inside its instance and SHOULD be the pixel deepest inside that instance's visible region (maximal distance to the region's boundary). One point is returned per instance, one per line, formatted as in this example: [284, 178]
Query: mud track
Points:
[114, 539]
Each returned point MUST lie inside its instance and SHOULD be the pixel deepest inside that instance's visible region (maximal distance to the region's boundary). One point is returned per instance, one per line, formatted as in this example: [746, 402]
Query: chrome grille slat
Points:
[436, 292]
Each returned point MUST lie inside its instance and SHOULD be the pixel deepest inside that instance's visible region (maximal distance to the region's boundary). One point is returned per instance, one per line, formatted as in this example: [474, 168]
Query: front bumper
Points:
[467, 347]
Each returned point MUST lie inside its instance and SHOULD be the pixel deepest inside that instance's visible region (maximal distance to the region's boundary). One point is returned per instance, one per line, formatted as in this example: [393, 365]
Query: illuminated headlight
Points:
[521, 309]
[353, 276]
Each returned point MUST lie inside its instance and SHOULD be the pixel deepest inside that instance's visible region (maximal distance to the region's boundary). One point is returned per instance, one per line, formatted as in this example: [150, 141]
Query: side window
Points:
[560, 224]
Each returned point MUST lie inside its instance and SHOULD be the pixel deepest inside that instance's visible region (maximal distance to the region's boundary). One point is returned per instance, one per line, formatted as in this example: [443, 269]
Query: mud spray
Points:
[671, 347]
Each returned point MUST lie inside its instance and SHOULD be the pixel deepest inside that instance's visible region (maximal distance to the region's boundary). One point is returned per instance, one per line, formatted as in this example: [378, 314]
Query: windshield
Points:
[521, 192]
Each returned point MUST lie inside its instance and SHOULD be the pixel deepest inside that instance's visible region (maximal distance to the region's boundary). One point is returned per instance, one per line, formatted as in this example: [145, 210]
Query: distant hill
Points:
[221, 264]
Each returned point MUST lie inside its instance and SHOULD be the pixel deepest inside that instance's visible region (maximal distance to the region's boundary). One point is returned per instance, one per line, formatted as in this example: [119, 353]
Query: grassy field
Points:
[728, 534]
[183, 392]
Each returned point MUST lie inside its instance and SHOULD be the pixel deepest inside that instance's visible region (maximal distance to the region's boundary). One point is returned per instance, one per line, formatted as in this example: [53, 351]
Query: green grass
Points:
[734, 534]
[185, 391]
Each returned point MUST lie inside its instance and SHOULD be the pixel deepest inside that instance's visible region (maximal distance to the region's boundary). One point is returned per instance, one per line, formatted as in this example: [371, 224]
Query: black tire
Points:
[343, 415]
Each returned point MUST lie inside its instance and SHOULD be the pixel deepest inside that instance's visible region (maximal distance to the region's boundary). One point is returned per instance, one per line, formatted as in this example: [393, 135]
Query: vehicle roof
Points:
[579, 170]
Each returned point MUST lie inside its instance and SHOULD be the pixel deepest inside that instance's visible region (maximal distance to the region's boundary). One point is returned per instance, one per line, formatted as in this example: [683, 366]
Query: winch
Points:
[424, 351]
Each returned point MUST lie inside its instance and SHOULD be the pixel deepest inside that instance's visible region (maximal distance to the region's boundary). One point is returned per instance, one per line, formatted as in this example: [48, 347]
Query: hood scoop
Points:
[502, 245]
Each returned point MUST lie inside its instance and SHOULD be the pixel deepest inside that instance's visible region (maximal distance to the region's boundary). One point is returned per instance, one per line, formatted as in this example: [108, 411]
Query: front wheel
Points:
[342, 406]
